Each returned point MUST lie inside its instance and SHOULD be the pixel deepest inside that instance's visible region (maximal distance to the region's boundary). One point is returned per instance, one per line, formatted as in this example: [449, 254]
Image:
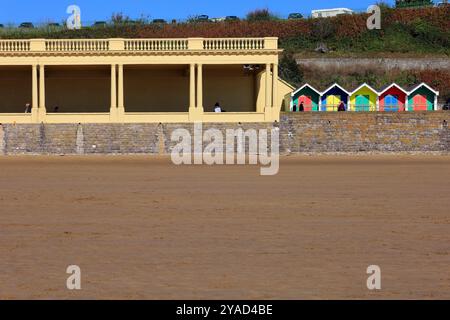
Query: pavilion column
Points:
[199, 88]
[113, 109]
[191, 88]
[42, 111]
[275, 92]
[268, 105]
[196, 112]
[120, 102]
[35, 95]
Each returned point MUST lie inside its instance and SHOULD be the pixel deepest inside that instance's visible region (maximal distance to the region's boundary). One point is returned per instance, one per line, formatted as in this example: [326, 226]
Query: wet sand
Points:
[142, 228]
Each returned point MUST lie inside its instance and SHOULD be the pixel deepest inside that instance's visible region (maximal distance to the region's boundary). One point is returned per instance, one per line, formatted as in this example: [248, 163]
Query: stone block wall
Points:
[364, 132]
[299, 133]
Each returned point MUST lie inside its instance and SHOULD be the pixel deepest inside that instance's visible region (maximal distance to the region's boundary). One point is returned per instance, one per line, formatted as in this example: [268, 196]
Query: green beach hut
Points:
[422, 98]
[307, 95]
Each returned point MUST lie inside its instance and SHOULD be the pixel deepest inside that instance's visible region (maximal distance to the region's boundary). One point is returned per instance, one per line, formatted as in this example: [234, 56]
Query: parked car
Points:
[26, 25]
[159, 21]
[232, 18]
[53, 24]
[295, 16]
[202, 18]
[100, 24]
[1, 25]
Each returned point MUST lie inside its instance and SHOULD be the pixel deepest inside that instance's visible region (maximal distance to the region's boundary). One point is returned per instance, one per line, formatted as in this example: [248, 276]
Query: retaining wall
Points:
[299, 133]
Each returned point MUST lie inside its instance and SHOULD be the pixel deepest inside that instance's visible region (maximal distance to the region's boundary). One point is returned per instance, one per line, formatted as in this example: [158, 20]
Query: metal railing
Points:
[363, 108]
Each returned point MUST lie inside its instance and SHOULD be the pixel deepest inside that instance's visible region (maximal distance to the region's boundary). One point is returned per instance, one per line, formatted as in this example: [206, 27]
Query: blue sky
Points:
[91, 10]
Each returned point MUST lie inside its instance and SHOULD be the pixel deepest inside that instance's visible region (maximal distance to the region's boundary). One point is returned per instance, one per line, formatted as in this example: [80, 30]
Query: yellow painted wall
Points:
[15, 89]
[156, 88]
[233, 88]
[366, 92]
[78, 89]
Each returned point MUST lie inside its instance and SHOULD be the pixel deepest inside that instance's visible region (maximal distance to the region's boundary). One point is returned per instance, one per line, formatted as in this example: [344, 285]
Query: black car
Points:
[202, 18]
[231, 18]
[100, 24]
[159, 21]
[294, 16]
[26, 25]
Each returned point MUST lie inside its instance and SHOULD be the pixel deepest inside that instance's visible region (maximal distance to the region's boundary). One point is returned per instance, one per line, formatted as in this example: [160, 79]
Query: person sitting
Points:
[28, 108]
[341, 106]
[294, 108]
[217, 108]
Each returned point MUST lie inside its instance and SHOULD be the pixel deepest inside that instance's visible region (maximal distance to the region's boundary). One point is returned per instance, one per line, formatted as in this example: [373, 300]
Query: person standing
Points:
[302, 107]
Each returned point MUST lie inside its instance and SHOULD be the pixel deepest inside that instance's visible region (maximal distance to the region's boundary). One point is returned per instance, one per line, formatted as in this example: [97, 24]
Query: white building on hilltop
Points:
[326, 13]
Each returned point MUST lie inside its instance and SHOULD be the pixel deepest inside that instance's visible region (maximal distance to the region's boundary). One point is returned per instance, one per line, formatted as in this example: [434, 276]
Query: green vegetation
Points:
[413, 3]
[261, 15]
[404, 31]
[289, 70]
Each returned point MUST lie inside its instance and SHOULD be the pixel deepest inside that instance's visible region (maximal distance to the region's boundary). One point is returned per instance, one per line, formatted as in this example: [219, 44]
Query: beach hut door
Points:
[391, 103]
[333, 102]
[420, 102]
[362, 103]
[307, 102]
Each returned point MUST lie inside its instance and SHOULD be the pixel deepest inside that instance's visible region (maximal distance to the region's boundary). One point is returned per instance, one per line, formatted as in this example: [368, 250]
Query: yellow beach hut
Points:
[364, 98]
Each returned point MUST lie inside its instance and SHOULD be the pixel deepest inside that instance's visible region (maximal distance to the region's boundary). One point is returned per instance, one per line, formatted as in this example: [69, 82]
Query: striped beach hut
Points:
[308, 95]
[393, 98]
[332, 97]
[363, 98]
[422, 98]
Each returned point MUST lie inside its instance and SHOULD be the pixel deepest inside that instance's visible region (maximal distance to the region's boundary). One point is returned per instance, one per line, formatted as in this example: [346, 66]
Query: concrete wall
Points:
[299, 133]
[387, 63]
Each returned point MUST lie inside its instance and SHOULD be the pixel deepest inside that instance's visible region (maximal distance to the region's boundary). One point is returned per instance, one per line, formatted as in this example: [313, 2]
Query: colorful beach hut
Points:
[308, 95]
[422, 98]
[332, 97]
[363, 98]
[393, 98]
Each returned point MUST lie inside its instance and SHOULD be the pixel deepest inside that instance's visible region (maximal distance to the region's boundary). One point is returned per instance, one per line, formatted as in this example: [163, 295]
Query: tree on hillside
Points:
[289, 69]
[261, 15]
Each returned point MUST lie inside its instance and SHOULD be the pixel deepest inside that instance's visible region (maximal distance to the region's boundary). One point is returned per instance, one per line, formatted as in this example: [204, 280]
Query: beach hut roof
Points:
[423, 84]
[388, 87]
[335, 85]
[362, 86]
[303, 86]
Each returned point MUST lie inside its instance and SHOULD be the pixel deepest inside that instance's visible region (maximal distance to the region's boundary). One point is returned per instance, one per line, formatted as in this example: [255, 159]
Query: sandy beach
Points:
[142, 228]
